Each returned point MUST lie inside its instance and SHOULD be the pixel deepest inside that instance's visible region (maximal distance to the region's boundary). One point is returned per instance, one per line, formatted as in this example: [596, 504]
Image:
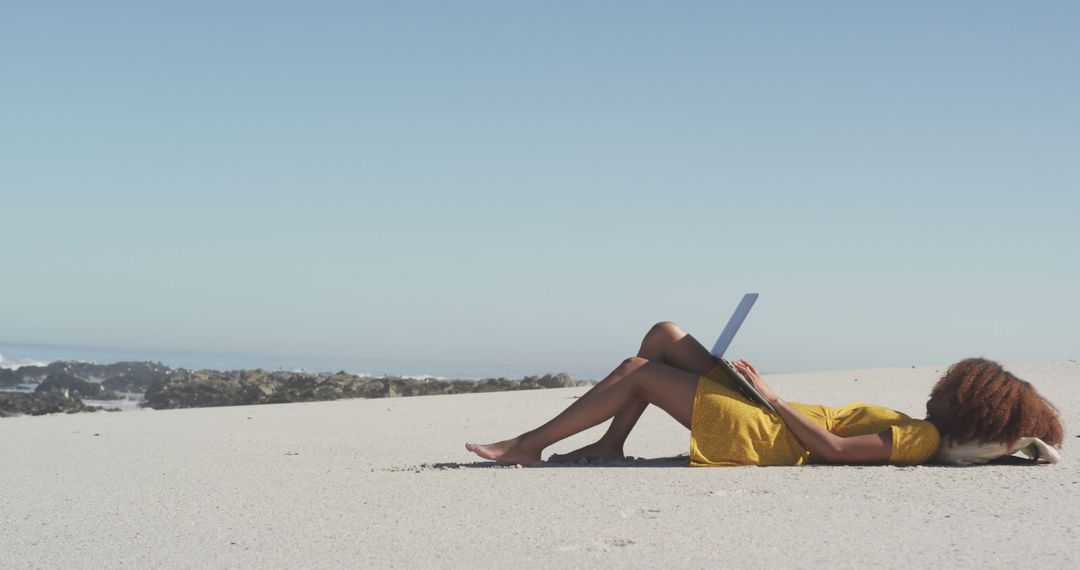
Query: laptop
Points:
[724, 341]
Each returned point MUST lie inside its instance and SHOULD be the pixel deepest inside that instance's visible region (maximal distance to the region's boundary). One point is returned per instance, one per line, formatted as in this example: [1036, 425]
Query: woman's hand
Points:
[754, 378]
[825, 445]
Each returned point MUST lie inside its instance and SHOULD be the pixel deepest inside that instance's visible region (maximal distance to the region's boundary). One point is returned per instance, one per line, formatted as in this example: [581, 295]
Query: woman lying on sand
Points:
[976, 401]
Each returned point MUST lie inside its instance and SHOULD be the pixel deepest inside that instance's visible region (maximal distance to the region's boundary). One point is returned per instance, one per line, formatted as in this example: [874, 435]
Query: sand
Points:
[387, 483]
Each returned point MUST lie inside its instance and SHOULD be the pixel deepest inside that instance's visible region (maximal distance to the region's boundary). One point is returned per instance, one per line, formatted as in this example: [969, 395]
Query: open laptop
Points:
[724, 341]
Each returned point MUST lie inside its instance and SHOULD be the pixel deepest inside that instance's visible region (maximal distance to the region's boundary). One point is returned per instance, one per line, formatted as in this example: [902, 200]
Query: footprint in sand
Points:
[603, 544]
[649, 513]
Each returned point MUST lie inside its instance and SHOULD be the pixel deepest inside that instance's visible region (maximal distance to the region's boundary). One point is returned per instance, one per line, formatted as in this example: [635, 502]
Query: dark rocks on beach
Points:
[203, 388]
[49, 402]
[560, 380]
[116, 376]
[62, 384]
[76, 387]
[134, 381]
[8, 378]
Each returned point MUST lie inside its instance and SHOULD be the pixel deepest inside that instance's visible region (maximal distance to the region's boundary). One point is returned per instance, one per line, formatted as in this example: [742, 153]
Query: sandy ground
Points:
[387, 483]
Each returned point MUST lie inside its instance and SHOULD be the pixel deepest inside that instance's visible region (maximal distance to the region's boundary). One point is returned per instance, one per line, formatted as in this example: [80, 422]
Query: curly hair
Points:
[990, 404]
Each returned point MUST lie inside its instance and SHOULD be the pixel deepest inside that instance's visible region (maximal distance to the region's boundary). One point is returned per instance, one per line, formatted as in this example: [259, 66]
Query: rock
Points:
[36, 404]
[137, 375]
[165, 387]
[189, 389]
[76, 387]
[328, 392]
[560, 380]
[131, 382]
[8, 378]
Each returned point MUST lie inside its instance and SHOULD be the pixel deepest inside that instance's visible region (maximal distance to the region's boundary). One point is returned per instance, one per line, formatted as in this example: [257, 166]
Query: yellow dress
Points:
[727, 429]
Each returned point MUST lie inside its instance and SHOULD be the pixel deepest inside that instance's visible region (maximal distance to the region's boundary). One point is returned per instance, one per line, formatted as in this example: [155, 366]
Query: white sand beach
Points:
[387, 483]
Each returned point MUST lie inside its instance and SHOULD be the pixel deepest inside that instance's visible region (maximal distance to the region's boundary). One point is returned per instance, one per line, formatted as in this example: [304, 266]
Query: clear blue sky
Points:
[530, 187]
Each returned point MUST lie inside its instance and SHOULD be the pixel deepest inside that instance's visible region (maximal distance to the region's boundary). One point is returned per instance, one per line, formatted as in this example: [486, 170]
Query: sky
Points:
[499, 187]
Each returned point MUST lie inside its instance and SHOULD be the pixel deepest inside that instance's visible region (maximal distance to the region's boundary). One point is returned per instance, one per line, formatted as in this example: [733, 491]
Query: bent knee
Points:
[666, 329]
[633, 363]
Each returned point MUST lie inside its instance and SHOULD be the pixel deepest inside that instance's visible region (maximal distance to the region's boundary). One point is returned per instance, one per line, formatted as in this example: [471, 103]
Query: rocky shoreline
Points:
[61, 386]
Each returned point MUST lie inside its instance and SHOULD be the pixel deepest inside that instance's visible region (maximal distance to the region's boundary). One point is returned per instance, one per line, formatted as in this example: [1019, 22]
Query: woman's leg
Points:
[635, 379]
[667, 343]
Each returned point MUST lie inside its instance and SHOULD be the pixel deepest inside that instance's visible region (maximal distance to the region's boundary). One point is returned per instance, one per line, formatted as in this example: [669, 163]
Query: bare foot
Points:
[506, 451]
[598, 450]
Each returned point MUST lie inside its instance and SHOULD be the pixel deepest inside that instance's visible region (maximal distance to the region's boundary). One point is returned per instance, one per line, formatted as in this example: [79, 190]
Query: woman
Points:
[976, 400]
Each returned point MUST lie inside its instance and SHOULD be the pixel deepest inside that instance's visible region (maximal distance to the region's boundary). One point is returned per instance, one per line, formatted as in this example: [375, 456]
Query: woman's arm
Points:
[870, 448]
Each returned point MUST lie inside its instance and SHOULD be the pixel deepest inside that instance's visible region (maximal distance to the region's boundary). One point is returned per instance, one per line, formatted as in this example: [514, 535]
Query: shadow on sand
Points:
[677, 461]
[664, 462]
